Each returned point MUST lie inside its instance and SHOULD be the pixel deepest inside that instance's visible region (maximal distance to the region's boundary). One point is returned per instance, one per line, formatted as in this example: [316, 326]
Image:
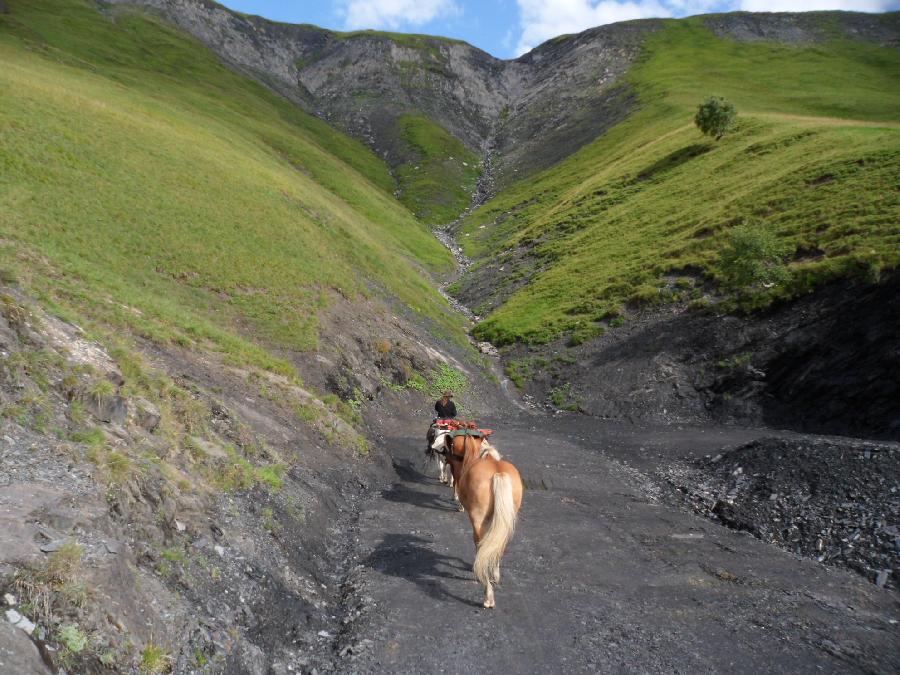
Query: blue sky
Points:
[507, 28]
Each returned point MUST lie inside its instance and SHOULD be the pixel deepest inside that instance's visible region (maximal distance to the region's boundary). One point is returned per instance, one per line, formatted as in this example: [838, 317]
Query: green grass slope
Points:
[815, 158]
[439, 175]
[147, 184]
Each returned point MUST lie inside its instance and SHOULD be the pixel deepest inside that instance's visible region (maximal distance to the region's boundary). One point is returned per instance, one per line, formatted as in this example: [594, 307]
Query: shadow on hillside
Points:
[673, 160]
[409, 557]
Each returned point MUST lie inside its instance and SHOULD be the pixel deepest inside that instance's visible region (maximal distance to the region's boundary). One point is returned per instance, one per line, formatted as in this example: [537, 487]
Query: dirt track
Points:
[601, 577]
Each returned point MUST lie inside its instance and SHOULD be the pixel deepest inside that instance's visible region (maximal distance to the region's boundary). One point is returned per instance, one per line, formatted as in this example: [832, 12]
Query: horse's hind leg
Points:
[478, 524]
[446, 473]
[489, 595]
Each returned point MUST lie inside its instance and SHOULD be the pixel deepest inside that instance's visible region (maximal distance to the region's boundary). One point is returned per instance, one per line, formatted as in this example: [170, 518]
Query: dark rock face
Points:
[825, 363]
[842, 371]
[805, 27]
[521, 115]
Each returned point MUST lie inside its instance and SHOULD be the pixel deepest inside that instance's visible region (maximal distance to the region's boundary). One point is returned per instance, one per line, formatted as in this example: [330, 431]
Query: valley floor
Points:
[602, 575]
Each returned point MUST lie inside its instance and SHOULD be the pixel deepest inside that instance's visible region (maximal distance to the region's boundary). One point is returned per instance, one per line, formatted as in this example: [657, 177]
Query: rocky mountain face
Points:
[519, 115]
[527, 113]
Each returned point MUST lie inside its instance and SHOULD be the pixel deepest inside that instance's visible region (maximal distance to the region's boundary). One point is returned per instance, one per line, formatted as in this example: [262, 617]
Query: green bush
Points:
[715, 117]
[72, 638]
[753, 257]
[154, 659]
[447, 377]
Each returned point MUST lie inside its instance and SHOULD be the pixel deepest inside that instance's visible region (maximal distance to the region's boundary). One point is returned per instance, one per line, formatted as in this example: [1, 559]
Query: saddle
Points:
[461, 428]
[454, 428]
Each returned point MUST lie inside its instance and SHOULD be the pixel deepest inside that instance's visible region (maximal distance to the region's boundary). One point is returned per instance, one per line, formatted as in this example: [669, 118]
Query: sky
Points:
[509, 28]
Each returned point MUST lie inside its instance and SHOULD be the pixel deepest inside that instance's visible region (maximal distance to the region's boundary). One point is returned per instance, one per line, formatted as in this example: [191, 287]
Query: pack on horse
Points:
[490, 490]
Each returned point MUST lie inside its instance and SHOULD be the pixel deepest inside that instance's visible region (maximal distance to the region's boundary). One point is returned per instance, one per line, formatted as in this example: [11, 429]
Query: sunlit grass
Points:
[144, 182]
[815, 156]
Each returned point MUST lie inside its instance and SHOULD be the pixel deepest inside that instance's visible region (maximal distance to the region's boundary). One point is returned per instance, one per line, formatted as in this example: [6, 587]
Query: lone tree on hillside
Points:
[715, 117]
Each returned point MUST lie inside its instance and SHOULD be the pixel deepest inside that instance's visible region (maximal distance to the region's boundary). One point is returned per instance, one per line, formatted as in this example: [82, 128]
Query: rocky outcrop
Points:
[17, 653]
[806, 365]
[828, 499]
[806, 27]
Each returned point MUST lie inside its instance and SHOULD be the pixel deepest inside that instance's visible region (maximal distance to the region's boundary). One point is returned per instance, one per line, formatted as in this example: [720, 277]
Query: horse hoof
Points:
[461, 508]
[489, 604]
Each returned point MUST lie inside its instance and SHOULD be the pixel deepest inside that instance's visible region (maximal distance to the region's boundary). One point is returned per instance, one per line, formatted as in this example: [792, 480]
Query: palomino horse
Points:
[490, 490]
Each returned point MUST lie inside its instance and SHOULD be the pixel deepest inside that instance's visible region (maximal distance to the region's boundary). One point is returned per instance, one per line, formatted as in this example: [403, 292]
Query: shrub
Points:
[8, 276]
[562, 398]
[447, 377]
[64, 563]
[715, 117]
[416, 382]
[753, 256]
[154, 659]
[72, 638]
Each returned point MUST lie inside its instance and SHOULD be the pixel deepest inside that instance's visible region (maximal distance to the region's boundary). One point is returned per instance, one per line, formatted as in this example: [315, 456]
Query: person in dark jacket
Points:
[445, 408]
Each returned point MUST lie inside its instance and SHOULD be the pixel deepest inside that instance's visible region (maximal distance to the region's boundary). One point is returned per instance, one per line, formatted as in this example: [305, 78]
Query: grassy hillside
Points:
[143, 181]
[439, 174]
[641, 214]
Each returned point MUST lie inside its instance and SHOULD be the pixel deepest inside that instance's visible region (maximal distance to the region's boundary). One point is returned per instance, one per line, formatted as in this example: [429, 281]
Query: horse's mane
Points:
[488, 450]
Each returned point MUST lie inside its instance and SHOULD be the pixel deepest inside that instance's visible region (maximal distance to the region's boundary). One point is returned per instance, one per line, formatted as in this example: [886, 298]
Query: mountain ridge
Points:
[517, 116]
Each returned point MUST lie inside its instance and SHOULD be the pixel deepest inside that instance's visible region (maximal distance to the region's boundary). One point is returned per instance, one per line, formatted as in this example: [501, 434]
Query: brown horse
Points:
[490, 490]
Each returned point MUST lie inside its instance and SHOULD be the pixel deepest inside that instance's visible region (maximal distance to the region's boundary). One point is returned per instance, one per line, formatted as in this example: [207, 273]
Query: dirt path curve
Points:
[600, 578]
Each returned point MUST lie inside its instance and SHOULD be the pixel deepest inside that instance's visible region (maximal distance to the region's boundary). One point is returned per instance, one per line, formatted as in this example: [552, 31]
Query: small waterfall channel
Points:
[445, 236]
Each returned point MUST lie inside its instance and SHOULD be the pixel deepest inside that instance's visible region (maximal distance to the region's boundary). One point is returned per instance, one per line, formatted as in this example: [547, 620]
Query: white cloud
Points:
[545, 19]
[810, 5]
[541, 20]
[394, 14]
[691, 7]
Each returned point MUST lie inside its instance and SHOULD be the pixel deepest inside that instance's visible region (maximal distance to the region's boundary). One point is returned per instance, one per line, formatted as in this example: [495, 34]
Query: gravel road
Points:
[601, 576]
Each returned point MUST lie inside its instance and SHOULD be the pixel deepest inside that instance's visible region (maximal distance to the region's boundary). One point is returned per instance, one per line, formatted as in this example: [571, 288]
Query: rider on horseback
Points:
[445, 409]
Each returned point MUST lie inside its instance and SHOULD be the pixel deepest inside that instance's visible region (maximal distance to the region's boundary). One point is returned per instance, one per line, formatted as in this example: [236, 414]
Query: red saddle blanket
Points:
[461, 427]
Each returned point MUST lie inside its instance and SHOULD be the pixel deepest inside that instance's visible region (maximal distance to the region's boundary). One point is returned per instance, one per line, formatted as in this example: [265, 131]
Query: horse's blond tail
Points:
[499, 532]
